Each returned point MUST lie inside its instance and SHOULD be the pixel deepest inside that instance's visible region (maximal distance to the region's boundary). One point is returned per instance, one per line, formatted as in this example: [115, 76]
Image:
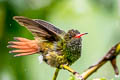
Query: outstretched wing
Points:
[40, 28]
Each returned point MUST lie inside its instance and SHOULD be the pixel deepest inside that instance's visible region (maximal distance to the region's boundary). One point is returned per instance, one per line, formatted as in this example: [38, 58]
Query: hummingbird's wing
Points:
[40, 28]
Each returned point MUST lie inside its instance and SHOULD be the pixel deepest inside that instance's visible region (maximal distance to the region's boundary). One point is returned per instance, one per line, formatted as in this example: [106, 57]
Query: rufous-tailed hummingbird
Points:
[57, 48]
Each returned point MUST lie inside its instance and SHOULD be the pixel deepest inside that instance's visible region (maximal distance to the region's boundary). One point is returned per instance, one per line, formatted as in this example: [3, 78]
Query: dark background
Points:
[100, 18]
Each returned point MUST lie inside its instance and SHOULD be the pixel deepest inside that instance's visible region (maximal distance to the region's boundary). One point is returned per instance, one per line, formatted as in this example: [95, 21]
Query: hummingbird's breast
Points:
[73, 50]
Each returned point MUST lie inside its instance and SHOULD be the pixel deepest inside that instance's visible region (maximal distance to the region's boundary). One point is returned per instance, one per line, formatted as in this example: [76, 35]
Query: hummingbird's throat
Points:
[80, 35]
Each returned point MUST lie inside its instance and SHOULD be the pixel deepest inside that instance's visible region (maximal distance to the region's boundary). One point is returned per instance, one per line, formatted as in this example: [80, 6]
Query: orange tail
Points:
[24, 46]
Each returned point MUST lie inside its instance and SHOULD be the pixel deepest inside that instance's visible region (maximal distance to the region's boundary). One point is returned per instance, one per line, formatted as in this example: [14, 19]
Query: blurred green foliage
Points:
[100, 18]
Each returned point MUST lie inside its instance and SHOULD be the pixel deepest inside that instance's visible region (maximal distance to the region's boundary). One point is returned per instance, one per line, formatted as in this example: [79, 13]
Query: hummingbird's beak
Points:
[80, 35]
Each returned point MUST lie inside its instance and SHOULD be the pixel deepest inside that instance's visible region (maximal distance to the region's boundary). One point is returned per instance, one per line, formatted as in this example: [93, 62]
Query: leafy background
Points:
[100, 18]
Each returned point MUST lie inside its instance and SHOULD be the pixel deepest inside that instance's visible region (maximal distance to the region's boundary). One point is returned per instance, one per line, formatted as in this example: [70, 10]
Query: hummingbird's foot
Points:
[24, 46]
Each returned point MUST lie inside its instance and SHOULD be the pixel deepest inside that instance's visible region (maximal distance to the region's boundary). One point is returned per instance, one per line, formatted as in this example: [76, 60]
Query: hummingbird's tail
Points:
[24, 46]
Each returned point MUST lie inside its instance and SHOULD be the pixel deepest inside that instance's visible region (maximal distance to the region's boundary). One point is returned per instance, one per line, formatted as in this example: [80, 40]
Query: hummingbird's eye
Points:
[80, 35]
[70, 36]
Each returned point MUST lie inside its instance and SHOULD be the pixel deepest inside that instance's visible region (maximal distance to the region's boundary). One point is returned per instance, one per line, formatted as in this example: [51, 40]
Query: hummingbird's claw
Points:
[24, 46]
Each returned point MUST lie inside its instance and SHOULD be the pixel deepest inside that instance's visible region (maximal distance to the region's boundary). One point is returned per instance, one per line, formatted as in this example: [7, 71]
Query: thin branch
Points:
[91, 70]
[56, 74]
[110, 56]
[72, 71]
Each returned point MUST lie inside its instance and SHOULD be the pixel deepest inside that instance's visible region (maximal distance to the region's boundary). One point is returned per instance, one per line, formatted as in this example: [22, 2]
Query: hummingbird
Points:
[56, 47]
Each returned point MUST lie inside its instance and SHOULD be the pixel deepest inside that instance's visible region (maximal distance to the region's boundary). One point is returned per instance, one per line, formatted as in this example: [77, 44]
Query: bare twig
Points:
[110, 56]
[56, 74]
[72, 71]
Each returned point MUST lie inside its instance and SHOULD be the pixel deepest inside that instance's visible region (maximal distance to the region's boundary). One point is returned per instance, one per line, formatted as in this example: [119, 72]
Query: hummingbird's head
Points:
[73, 34]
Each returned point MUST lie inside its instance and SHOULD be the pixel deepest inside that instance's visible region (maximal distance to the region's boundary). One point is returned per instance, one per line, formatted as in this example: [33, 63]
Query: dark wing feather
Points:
[50, 26]
[40, 28]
